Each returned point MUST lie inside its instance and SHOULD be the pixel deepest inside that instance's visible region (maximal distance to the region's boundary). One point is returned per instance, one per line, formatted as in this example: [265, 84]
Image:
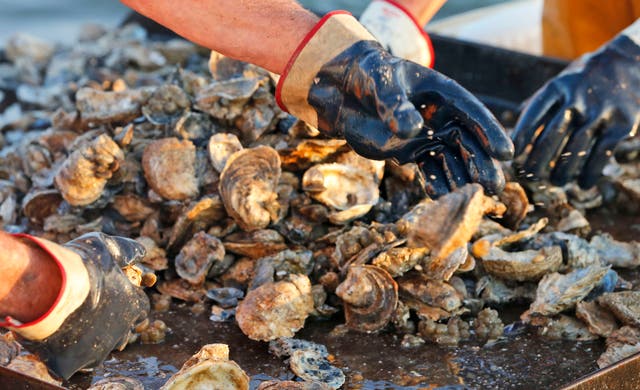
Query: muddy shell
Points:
[210, 368]
[169, 167]
[9, 348]
[370, 296]
[248, 187]
[198, 216]
[84, 174]
[276, 309]
[166, 104]
[599, 320]
[625, 305]
[522, 266]
[314, 367]
[622, 343]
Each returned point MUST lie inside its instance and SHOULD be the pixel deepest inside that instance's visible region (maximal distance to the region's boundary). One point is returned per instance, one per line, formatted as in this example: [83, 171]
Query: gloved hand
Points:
[584, 112]
[343, 82]
[398, 31]
[96, 308]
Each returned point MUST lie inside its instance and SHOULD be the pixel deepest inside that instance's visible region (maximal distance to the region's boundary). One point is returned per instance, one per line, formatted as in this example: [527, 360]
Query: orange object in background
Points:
[571, 28]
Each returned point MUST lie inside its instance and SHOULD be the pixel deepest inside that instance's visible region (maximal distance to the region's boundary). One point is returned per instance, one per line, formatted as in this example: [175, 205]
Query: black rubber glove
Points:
[108, 313]
[343, 82]
[584, 112]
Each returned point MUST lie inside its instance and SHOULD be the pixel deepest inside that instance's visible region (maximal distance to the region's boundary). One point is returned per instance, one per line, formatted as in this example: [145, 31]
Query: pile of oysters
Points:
[249, 212]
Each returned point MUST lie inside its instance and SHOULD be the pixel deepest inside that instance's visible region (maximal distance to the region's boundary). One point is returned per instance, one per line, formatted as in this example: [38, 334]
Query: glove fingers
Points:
[599, 157]
[480, 166]
[548, 144]
[454, 169]
[435, 177]
[536, 112]
[574, 155]
[124, 250]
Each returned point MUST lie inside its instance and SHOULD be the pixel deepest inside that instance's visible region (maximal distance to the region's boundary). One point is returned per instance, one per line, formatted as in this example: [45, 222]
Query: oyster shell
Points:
[84, 174]
[197, 217]
[286, 346]
[291, 385]
[313, 367]
[515, 198]
[563, 327]
[309, 152]
[117, 382]
[248, 187]
[99, 107]
[166, 104]
[198, 255]
[221, 146]
[276, 309]
[599, 320]
[132, 207]
[255, 244]
[9, 348]
[625, 305]
[618, 254]
[397, 261]
[370, 296]
[31, 365]
[622, 343]
[495, 291]
[522, 266]
[169, 167]
[348, 189]
[210, 368]
[435, 293]
[557, 292]
[277, 266]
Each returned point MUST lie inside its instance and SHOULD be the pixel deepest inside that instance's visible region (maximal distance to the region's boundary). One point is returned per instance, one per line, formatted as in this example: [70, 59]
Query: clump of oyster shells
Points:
[243, 207]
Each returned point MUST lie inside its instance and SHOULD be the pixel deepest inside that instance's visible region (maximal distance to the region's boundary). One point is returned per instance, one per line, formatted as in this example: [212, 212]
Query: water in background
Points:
[59, 20]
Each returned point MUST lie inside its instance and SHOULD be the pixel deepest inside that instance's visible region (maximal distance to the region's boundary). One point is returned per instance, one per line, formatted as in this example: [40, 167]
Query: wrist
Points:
[74, 285]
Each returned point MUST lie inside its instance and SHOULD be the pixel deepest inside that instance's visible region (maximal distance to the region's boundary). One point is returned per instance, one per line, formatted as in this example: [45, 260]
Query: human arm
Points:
[570, 127]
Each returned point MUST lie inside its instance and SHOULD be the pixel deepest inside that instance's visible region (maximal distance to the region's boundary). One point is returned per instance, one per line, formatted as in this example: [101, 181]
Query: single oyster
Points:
[435, 293]
[25, 46]
[9, 348]
[210, 368]
[31, 365]
[222, 146]
[226, 99]
[117, 382]
[515, 198]
[557, 292]
[155, 257]
[599, 320]
[278, 266]
[132, 207]
[197, 217]
[446, 224]
[625, 305]
[39, 204]
[276, 309]
[522, 266]
[562, 327]
[248, 187]
[370, 296]
[618, 254]
[84, 174]
[314, 367]
[169, 167]
[197, 256]
[181, 289]
[255, 244]
[99, 107]
[495, 291]
[166, 104]
[397, 261]
[309, 152]
[286, 346]
[348, 189]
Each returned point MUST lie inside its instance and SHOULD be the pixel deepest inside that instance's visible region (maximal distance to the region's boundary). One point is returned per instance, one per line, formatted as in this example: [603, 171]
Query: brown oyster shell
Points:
[132, 207]
[221, 146]
[39, 204]
[435, 293]
[255, 244]
[248, 186]
[276, 309]
[446, 224]
[524, 265]
[84, 174]
[625, 305]
[98, 107]
[117, 382]
[370, 297]
[197, 217]
[32, 366]
[181, 289]
[309, 152]
[599, 320]
[197, 256]
[169, 167]
[9, 348]
[210, 368]
[397, 261]
[155, 257]
[515, 198]
[563, 327]
[557, 292]
[622, 343]
[350, 190]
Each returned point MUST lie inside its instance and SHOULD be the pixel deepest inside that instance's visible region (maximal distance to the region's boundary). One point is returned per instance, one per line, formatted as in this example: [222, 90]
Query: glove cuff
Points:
[633, 32]
[398, 31]
[334, 33]
[74, 289]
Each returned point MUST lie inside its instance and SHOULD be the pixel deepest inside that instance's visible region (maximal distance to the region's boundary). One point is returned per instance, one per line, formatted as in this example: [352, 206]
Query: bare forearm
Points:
[422, 10]
[29, 279]
[265, 33]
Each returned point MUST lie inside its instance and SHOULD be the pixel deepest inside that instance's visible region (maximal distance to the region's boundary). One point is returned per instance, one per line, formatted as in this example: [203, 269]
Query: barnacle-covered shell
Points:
[349, 189]
[221, 146]
[450, 333]
[255, 244]
[84, 174]
[248, 186]
[523, 265]
[625, 305]
[169, 167]
[98, 107]
[446, 224]
[488, 325]
[615, 253]
[117, 382]
[313, 367]
[166, 104]
[515, 198]
[210, 368]
[599, 320]
[197, 256]
[276, 309]
[370, 296]
[557, 292]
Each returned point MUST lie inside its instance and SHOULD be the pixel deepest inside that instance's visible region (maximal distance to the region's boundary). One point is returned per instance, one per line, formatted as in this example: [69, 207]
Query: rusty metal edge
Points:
[10, 380]
[624, 374]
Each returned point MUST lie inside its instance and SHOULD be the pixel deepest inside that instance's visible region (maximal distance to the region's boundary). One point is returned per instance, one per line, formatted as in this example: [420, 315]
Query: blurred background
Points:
[511, 24]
